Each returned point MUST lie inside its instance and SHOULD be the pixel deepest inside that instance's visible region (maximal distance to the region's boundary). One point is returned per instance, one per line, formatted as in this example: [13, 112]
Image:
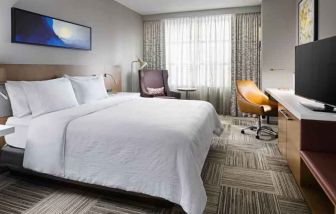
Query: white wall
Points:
[280, 36]
[278, 43]
[117, 34]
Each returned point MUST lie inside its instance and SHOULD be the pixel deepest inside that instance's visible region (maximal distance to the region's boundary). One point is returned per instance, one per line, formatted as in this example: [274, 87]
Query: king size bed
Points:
[155, 147]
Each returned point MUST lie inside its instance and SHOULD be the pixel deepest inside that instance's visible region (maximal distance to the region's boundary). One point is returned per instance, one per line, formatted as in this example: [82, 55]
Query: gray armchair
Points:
[156, 79]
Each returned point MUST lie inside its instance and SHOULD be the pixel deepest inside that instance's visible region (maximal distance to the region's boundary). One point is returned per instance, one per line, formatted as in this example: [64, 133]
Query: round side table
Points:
[187, 91]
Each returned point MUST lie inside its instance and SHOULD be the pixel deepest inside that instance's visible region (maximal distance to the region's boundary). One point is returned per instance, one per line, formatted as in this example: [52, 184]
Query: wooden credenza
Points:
[301, 129]
[289, 139]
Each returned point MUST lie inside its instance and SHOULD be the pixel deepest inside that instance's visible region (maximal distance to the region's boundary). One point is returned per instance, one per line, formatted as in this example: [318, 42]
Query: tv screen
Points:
[36, 29]
[315, 71]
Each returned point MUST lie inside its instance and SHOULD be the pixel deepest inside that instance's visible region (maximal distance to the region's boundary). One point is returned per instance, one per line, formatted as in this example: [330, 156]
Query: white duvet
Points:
[151, 146]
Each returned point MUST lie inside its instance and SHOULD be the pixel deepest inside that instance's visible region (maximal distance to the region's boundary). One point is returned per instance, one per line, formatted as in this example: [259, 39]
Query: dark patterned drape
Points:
[245, 52]
[154, 44]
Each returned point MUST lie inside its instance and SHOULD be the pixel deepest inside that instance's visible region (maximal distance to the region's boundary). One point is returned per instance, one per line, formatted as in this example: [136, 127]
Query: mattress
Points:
[157, 148]
[12, 158]
[19, 138]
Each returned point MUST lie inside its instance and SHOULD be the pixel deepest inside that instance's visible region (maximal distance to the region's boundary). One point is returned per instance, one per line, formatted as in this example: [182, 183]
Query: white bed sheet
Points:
[19, 138]
[151, 146]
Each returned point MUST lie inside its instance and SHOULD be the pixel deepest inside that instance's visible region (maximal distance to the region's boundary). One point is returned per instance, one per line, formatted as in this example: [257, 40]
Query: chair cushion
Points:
[156, 91]
[323, 167]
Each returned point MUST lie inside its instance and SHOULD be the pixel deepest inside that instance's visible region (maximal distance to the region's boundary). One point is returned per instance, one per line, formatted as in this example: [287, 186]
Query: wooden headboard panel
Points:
[23, 72]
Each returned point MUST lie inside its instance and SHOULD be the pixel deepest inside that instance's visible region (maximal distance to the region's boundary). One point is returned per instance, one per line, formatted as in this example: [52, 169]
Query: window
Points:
[198, 51]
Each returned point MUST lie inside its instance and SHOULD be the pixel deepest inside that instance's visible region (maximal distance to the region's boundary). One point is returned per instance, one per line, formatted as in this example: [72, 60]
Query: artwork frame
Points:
[307, 21]
[83, 41]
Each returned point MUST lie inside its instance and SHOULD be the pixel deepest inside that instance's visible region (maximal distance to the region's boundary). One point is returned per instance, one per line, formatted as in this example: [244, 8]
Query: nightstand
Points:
[4, 130]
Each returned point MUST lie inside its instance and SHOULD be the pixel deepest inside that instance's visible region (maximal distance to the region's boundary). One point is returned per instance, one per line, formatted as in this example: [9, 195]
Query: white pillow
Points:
[49, 96]
[88, 88]
[18, 99]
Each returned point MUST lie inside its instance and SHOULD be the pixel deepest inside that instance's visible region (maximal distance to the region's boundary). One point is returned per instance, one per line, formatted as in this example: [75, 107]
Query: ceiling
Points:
[149, 7]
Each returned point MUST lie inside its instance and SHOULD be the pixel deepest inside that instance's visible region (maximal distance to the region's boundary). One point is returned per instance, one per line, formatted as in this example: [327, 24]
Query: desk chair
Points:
[252, 101]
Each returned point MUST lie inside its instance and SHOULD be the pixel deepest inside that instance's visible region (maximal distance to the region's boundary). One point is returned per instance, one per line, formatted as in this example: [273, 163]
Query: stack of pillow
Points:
[40, 97]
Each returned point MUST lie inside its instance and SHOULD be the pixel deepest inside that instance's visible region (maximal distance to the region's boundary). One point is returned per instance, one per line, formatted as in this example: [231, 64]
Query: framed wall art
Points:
[308, 21]
[36, 29]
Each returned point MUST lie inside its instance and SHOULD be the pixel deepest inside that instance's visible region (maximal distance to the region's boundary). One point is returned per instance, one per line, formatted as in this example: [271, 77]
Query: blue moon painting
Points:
[32, 28]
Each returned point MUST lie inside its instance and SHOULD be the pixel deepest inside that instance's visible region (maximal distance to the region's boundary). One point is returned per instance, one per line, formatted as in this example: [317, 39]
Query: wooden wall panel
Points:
[19, 72]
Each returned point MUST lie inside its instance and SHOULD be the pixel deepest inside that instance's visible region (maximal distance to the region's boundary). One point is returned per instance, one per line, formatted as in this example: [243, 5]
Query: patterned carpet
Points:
[241, 175]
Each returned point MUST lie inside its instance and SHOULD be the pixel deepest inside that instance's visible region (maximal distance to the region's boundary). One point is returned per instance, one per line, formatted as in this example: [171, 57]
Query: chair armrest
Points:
[175, 94]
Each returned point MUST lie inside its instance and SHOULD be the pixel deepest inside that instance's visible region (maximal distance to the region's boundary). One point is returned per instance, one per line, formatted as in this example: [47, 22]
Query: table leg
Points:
[187, 95]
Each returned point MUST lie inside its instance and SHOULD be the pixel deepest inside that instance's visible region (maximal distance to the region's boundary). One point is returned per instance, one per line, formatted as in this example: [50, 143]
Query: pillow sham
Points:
[49, 96]
[156, 91]
[88, 88]
[18, 99]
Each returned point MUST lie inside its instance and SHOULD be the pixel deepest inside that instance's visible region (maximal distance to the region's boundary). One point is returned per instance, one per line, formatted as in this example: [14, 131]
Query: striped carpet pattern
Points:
[241, 175]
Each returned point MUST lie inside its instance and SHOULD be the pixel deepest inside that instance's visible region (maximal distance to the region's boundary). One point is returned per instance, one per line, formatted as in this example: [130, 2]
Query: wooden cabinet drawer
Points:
[293, 159]
[282, 132]
[293, 145]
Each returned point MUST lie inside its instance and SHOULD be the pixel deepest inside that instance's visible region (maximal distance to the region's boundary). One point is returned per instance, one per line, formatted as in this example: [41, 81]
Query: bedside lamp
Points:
[142, 63]
[114, 80]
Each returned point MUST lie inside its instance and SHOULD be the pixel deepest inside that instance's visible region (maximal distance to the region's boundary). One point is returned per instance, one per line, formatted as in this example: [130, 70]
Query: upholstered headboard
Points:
[19, 72]
[24, 72]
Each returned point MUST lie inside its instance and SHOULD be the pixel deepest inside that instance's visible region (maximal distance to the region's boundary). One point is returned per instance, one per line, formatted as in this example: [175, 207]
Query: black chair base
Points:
[261, 130]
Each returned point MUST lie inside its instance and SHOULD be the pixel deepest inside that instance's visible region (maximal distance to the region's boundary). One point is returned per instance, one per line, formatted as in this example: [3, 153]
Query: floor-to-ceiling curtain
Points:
[154, 44]
[198, 54]
[245, 52]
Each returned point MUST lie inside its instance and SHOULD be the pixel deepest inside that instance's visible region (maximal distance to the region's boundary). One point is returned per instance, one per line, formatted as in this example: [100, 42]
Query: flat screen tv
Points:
[315, 72]
[36, 29]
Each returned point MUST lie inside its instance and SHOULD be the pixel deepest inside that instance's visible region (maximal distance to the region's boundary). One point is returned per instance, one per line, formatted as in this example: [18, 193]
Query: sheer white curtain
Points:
[198, 54]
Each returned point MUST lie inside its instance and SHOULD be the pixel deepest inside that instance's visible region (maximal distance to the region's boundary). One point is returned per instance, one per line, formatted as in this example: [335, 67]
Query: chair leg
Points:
[259, 122]
[269, 131]
[252, 128]
[266, 129]
[261, 129]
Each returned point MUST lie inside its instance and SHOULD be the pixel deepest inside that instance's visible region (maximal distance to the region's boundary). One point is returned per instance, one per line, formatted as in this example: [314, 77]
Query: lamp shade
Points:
[142, 63]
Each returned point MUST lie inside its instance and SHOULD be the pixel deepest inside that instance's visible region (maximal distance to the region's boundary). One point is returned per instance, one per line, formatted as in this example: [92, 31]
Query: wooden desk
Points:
[2, 139]
[301, 129]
